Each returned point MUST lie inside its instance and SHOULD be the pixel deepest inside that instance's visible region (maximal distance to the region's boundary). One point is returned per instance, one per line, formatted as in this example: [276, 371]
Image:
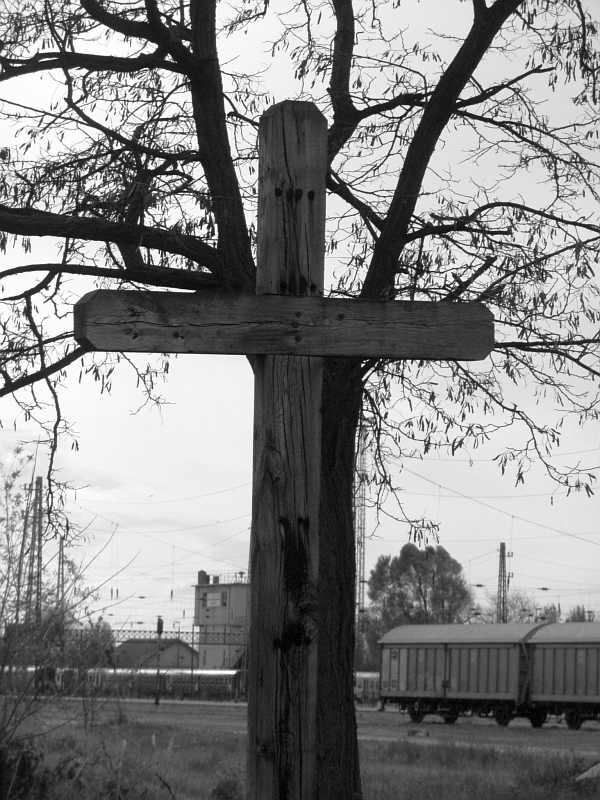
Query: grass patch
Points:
[405, 770]
[127, 761]
[124, 760]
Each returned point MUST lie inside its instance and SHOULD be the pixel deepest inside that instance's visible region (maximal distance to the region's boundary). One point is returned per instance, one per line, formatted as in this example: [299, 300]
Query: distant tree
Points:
[420, 586]
[521, 607]
[90, 645]
[550, 613]
[580, 614]
[87, 645]
[416, 587]
[369, 629]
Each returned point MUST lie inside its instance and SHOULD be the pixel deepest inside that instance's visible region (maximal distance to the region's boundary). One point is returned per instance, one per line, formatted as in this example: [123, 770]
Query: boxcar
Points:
[504, 670]
[454, 669]
[566, 671]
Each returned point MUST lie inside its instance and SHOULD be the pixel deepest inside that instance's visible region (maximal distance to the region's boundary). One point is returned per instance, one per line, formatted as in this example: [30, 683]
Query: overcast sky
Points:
[164, 494]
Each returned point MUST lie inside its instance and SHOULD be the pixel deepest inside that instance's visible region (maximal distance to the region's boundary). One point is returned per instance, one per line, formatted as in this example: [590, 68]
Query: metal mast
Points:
[38, 516]
[33, 594]
[501, 602]
[60, 580]
[22, 552]
[360, 480]
[503, 584]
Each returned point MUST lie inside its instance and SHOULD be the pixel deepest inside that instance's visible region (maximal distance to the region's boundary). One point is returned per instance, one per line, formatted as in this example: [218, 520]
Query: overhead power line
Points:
[455, 460]
[487, 496]
[501, 511]
[159, 502]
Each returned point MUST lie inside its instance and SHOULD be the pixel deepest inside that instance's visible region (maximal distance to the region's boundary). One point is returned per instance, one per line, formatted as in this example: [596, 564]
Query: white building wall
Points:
[220, 617]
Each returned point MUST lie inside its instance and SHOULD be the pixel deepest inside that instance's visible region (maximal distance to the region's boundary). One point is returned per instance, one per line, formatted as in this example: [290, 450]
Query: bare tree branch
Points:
[122, 25]
[437, 113]
[32, 222]
[12, 386]
[210, 117]
[345, 115]
[131, 144]
[337, 186]
[494, 90]
[149, 274]
[45, 61]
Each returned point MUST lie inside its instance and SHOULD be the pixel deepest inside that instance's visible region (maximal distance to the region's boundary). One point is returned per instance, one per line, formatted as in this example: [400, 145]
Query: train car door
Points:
[446, 682]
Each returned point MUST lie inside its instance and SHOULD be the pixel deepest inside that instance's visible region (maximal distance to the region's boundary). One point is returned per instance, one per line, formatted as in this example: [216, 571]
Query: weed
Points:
[447, 771]
[228, 786]
[129, 760]
[121, 717]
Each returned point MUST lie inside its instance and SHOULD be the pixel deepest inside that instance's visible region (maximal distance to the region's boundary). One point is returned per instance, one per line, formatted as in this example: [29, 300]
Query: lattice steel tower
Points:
[360, 482]
[503, 584]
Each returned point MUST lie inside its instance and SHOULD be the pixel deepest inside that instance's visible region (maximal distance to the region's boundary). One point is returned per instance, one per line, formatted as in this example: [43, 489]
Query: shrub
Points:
[229, 785]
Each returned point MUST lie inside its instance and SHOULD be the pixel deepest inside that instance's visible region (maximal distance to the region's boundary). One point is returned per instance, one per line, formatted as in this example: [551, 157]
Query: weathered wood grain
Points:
[216, 322]
[284, 545]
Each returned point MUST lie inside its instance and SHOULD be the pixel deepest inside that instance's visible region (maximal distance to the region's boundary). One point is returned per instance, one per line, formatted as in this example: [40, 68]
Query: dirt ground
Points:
[379, 726]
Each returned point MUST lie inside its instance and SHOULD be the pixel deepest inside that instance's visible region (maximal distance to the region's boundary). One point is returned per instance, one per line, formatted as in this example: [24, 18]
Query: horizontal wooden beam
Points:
[217, 322]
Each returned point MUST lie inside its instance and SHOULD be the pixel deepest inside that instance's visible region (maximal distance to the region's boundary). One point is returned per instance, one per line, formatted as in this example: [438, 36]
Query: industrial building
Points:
[221, 615]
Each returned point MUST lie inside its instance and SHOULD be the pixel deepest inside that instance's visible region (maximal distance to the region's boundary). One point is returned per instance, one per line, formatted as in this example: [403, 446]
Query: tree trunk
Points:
[338, 772]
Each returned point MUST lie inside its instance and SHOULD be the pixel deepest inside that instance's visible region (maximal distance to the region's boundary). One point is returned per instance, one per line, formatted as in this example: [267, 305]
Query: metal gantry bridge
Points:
[195, 637]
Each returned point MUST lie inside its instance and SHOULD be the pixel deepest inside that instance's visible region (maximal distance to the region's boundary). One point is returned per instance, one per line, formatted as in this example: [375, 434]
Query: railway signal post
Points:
[287, 328]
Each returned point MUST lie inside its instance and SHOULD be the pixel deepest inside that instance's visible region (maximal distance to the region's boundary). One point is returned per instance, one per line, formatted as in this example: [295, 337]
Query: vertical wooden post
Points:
[287, 453]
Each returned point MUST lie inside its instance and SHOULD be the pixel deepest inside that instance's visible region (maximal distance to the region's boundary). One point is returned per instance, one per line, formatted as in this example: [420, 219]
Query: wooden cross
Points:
[289, 327]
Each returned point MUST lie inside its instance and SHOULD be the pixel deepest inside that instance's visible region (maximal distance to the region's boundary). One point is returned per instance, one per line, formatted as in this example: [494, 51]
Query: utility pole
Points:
[60, 598]
[360, 479]
[178, 623]
[159, 630]
[192, 666]
[23, 550]
[60, 579]
[503, 584]
[38, 538]
[33, 593]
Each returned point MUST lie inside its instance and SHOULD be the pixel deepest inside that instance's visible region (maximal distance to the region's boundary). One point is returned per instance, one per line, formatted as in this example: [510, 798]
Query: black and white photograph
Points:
[299, 400]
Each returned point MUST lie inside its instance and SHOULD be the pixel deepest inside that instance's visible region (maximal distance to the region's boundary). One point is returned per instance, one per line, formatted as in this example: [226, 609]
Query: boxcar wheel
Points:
[450, 719]
[537, 717]
[502, 716]
[573, 720]
[416, 714]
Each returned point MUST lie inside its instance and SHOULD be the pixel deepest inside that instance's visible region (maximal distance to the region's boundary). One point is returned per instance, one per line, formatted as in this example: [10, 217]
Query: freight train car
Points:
[566, 671]
[501, 670]
[453, 669]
